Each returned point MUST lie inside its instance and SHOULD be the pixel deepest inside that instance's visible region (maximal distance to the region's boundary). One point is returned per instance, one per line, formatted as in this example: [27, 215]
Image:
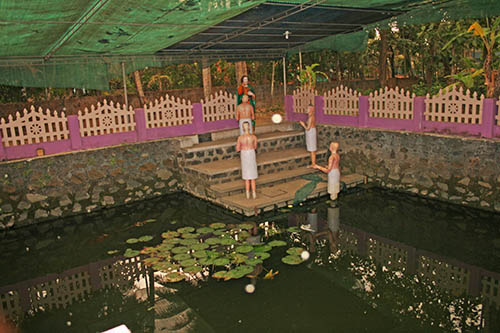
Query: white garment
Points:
[311, 139]
[334, 181]
[248, 164]
[242, 120]
[334, 219]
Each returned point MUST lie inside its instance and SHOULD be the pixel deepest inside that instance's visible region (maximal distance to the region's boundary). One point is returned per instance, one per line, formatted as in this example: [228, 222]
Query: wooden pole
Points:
[272, 79]
[207, 79]
[284, 77]
[300, 60]
[124, 85]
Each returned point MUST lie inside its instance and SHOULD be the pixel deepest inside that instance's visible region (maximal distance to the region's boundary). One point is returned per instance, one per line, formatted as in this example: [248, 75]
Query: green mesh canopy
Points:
[83, 43]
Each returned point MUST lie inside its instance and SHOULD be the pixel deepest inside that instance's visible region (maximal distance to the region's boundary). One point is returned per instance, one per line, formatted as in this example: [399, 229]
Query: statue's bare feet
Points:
[312, 166]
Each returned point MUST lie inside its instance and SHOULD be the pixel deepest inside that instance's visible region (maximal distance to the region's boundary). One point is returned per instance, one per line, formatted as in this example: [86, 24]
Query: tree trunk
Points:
[429, 68]
[382, 59]
[241, 69]
[207, 80]
[489, 75]
[138, 84]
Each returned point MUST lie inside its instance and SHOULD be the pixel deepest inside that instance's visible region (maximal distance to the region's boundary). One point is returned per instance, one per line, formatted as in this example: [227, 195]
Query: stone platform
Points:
[212, 170]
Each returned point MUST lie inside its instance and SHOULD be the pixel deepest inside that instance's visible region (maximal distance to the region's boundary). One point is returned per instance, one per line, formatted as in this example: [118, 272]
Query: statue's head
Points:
[244, 98]
[246, 126]
[334, 146]
[244, 79]
[310, 109]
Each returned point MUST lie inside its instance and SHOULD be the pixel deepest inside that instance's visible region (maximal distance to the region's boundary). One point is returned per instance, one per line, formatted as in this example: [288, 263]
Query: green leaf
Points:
[174, 277]
[295, 251]
[253, 261]
[110, 252]
[263, 248]
[292, 260]
[180, 249]
[182, 256]
[246, 226]
[172, 241]
[244, 248]
[129, 253]
[262, 255]
[200, 246]
[145, 238]
[276, 243]
[207, 261]
[220, 275]
[132, 241]
[170, 234]
[200, 254]
[189, 242]
[204, 230]
[188, 262]
[217, 225]
[302, 193]
[227, 241]
[193, 269]
[185, 230]
[212, 240]
[221, 262]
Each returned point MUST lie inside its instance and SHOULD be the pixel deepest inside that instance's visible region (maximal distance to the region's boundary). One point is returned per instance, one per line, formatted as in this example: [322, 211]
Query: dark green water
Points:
[380, 262]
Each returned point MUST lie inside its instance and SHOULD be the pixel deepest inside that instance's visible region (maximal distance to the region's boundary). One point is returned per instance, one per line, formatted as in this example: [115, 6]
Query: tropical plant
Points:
[307, 76]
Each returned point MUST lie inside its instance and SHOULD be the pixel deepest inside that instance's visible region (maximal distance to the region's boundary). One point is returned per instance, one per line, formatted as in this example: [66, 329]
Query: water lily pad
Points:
[217, 225]
[220, 232]
[200, 246]
[193, 269]
[253, 261]
[145, 238]
[190, 236]
[170, 234]
[129, 253]
[188, 262]
[148, 250]
[245, 269]
[185, 230]
[246, 226]
[244, 248]
[293, 229]
[151, 261]
[207, 261]
[239, 258]
[227, 241]
[220, 275]
[295, 251]
[262, 255]
[204, 230]
[132, 241]
[172, 241]
[212, 241]
[179, 249]
[263, 248]
[213, 254]
[110, 252]
[292, 260]
[150, 221]
[174, 277]
[221, 262]
[182, 256]
[189, 242]
[165, 247]
[200, 254]
[276, 243]
[244, 234]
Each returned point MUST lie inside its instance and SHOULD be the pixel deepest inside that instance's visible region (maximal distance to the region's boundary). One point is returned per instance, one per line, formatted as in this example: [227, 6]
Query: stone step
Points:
[280, 195]
[270, 162]
[237, 186]
[224, 149]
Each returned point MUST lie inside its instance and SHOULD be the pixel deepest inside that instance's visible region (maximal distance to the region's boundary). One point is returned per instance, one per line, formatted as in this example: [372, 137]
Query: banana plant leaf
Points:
[302, 193]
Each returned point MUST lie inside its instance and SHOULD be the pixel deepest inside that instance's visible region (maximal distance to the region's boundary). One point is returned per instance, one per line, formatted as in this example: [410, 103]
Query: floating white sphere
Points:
[305, 255]
[249, 288]
[277, 118]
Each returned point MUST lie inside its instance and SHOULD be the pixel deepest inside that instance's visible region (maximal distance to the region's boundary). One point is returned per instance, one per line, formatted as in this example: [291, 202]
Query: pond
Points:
[377, 261]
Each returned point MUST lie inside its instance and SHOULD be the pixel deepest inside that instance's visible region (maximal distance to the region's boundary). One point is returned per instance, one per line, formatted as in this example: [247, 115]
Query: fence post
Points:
[198, 118]
[3, 154]
[364, 107]
[74, 132]
[488, 117]
[418, 113]
[140, 124]
[319, 104]
[289, 107]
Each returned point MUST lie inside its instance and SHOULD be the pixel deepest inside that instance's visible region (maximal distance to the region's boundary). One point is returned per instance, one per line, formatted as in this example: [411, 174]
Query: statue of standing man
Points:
[244, 113]
[246, 145]
[311, 141]
[333, 171]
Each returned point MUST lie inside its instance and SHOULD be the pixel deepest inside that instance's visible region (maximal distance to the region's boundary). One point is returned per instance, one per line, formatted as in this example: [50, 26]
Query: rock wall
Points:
[456, 169]
[50, 187]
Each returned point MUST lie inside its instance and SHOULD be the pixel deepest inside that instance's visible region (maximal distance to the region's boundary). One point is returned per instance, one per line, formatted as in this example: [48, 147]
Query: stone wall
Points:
[456, 169]
[50, 187]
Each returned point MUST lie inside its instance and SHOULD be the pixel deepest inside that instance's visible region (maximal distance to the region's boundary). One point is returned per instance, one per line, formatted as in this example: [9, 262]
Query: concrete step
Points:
[270, 162]
[274, 196]
[225, 148]
[238, 186]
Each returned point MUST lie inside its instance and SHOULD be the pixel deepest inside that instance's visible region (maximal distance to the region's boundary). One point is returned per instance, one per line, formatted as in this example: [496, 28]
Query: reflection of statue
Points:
[244, 112]
[246, 145]
[310, 134]
[312, 221]
[318, 229]
[333, 171]
[334, 227]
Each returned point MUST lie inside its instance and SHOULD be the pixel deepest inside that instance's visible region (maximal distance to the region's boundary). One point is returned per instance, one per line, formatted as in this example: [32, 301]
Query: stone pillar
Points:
[418, 113]
[364, 106]
[289, 108]
[319, 104]
[74, 132]
[207, 79]
[198, 118]
[140, 124]
[488, 118]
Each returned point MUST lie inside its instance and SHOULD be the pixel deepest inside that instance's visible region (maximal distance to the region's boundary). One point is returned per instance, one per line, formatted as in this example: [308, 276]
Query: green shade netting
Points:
[134, 30]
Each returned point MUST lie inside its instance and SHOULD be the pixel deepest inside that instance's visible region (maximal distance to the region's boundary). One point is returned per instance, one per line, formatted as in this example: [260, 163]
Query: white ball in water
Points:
[276, 118]
[305, 255]
[249, 288]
